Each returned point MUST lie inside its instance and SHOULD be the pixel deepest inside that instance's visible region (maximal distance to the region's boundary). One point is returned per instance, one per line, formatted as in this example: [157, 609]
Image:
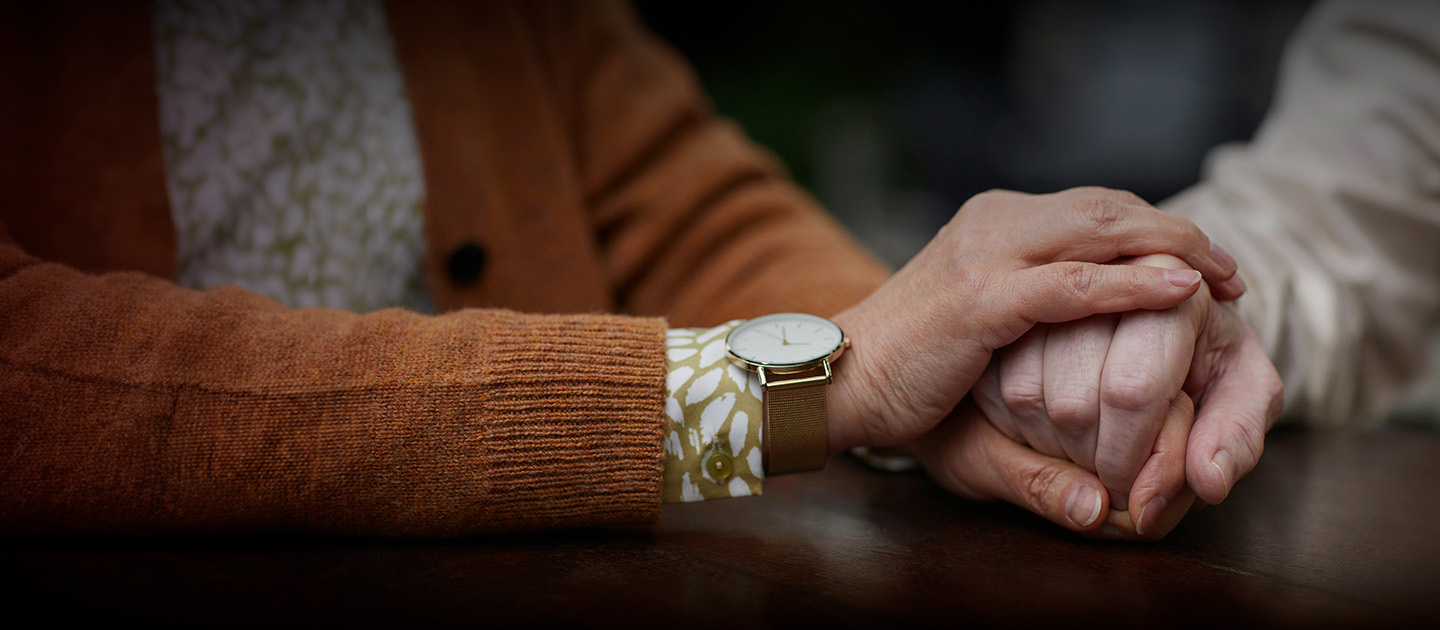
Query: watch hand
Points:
[768, 334]
[783, 340]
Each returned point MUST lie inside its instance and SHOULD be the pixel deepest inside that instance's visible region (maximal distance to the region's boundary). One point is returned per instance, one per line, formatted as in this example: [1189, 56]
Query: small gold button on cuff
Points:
[718, 465]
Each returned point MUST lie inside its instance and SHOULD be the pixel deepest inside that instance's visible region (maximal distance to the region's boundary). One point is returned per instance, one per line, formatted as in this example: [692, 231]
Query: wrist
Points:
[848, 416]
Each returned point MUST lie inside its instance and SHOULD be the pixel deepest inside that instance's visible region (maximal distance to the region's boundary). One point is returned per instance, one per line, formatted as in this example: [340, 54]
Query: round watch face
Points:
[785, 340]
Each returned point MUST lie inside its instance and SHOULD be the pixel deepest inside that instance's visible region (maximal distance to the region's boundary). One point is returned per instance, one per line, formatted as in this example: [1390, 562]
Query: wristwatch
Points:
[792, 352]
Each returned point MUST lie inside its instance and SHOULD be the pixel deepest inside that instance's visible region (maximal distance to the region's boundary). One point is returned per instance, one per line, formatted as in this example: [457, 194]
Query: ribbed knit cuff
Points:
[576, 419]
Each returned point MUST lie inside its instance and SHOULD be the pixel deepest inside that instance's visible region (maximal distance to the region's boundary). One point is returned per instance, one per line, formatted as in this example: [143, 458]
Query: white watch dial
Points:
[785, 339]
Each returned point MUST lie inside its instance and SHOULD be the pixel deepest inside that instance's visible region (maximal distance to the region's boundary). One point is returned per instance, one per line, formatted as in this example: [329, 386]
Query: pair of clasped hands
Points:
[1072, 353]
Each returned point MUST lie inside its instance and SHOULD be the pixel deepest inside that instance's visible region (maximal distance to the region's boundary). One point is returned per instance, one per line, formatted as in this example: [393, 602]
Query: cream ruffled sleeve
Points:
[1333, 211]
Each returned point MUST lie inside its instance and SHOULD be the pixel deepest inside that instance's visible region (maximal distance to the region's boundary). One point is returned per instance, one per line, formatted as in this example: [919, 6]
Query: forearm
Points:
[130, 405]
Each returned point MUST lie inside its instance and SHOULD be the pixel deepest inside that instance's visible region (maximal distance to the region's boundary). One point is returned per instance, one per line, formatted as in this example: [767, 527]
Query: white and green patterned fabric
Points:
[290, 153]
[713, 417]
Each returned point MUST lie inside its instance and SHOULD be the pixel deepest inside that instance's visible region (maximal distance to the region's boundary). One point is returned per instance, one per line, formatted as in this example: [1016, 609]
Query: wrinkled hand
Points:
[1004, 262]
[968, 456]
[1109, 393]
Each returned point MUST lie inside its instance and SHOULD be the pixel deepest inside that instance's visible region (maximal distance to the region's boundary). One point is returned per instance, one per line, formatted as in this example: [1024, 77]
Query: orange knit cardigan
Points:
[578, 191]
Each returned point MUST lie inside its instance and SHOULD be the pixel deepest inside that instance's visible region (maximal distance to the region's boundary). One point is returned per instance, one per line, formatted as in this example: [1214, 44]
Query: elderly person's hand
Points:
[968, 456]
[1109, 393]
[1004, 262]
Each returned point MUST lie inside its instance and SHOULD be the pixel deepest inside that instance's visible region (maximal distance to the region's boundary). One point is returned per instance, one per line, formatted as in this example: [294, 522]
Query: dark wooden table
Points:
[1332, 529]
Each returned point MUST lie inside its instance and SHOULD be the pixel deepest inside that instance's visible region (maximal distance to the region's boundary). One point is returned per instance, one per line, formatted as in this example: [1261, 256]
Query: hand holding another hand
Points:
[1005, 262]
[1105, 402]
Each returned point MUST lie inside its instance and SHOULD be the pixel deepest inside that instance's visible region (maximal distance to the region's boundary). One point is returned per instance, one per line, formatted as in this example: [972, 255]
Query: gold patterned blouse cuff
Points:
[713, 415]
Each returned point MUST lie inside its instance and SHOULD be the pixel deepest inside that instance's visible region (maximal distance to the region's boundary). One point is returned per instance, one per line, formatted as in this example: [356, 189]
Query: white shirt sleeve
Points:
[1333, 210]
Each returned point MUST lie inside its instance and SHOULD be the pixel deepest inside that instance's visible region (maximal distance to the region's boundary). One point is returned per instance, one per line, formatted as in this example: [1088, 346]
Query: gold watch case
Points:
[753, 358]
[796, 435]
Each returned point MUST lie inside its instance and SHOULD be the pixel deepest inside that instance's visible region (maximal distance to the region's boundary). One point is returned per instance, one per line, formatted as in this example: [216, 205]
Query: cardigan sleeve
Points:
[130, 405]
[694, 222]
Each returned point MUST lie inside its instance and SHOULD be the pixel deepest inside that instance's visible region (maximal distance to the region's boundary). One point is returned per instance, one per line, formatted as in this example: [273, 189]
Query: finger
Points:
[1022, 388]
[1230, 289]
[1240, 405]
[986, 395]
[1074, 359]
[1120, 525]
[1100, 227]
[1065, 291]
[1162, 479]
[1148, 363]
[968, 456]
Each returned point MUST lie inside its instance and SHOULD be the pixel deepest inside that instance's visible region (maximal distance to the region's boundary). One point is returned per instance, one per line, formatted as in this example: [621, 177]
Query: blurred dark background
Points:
[893, 113]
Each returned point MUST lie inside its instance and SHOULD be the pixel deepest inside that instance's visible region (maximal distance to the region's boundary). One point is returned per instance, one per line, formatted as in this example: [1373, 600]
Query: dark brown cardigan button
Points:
[465, 264]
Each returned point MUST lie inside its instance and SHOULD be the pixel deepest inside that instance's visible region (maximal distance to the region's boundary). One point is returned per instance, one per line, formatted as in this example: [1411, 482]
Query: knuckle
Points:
[1072, 413]
[1255, 437]
[1252, 440]
[1100, 216]
[1197, 235]
[1118, 195]
[1023, 394]
[1089, 191]
[1129, 388]
[1037, 484]
[1074, 280]
[984, 201]
[988, 196]
[1275, 393]
[1125, 196]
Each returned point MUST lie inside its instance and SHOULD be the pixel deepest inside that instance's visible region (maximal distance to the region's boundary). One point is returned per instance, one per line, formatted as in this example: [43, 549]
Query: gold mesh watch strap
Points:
[796, 435]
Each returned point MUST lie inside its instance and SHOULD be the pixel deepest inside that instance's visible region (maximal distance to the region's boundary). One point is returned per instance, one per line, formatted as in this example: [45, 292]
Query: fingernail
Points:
[1083, 507]
[1225, 466]
[1154, 508]
[1221, 256]
[1182, 277]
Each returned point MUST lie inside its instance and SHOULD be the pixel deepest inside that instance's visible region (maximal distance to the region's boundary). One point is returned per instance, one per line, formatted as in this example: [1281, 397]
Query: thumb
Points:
[970, 457]
[1240, 406]
[1160, 484]
[1065, 291]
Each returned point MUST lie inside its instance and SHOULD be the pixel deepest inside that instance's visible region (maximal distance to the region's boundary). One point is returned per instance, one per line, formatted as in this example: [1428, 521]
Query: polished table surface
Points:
[1331, 529]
